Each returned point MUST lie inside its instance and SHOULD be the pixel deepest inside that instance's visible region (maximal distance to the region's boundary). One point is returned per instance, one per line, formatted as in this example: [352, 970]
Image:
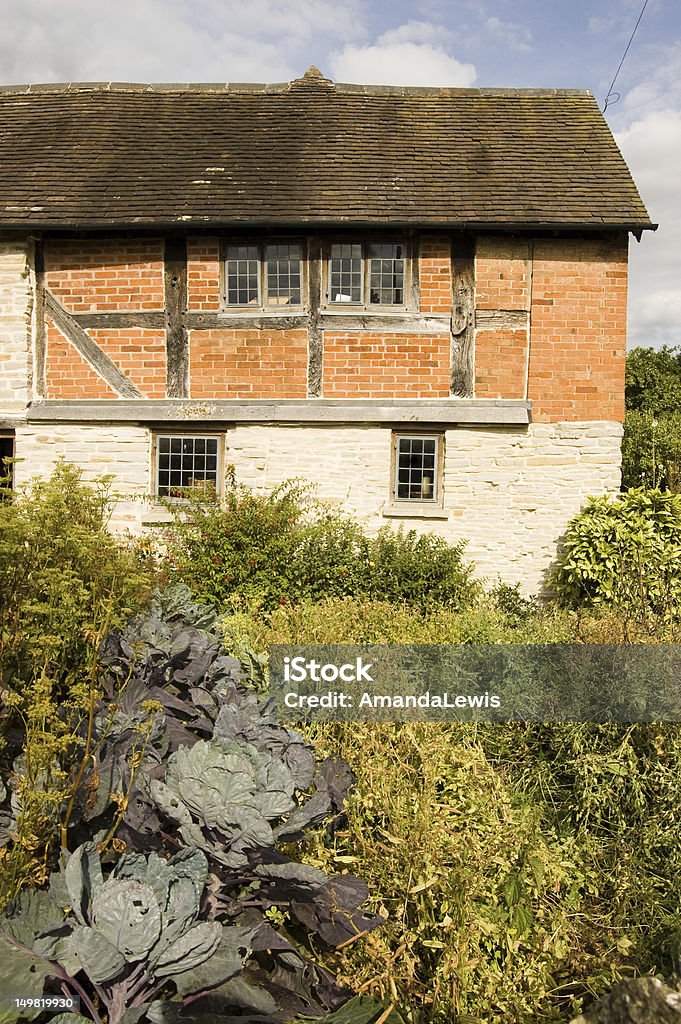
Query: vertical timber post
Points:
[40, 350]
[463, 317]
[177, 338]
[315, 343]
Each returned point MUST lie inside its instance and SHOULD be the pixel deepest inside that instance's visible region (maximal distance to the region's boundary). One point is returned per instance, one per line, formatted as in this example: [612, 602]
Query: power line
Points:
[614, 96]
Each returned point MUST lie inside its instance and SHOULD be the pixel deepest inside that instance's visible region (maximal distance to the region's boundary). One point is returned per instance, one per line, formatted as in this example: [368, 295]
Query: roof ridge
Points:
[311, 81]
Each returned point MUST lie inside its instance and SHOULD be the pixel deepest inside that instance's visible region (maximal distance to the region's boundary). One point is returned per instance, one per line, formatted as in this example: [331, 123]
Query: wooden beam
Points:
[502, 319]
[146, 319]
[89, 349]
[315, 336]
[177, 337]
[246, 322]
[463, 316]
[386, 323]
[40, 349]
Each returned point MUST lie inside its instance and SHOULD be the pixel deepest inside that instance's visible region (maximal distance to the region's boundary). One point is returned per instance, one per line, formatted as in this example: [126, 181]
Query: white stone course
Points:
[16, 308]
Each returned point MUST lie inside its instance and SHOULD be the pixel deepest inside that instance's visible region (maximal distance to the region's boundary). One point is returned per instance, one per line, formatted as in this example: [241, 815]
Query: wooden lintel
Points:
[149, 319]
[245, 322]
[177, 338]
[390, 323]
[463, 316]
[88, 348]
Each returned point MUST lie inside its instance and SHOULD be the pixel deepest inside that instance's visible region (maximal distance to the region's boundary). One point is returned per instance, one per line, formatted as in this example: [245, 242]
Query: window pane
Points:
[345, 273]
[386, 274]
[416, 469]
[242, 273]
[283, 275]
[186, 462]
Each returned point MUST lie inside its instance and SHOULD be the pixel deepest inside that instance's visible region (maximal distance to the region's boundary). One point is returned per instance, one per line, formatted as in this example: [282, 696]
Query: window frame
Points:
[409, 303]
[156, 454]
[437, 501]
[7, 471]
[262, 306]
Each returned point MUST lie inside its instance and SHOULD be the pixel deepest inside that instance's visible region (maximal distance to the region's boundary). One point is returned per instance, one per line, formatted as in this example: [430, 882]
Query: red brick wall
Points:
[105, 275]
[578, 330]
[500, 364]
[248, 364]
[203, 274]
[67, 374]
[502, 278]
[386, 365]
[436, 275]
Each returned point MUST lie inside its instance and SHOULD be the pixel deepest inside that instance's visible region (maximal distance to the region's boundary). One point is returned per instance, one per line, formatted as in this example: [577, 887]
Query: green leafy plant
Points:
[651, 450]
[624, 551]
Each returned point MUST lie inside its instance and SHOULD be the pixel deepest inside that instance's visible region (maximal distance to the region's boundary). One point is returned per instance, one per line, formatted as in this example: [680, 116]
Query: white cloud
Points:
[514, 36]
[169, 40]
[652, 148]
[411, 54]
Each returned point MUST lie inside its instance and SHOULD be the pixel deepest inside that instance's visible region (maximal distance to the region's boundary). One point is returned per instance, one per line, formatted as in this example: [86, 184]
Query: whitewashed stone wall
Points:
[16, 308]
[509, 491]
[98, 449]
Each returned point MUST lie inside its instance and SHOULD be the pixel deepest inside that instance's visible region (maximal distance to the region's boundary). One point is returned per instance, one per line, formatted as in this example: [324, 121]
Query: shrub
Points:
[651, 450]
[624, 551]
[283, 547]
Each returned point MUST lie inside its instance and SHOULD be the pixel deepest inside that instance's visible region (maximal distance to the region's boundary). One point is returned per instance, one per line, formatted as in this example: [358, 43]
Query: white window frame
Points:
[171, 434]
[263, 305]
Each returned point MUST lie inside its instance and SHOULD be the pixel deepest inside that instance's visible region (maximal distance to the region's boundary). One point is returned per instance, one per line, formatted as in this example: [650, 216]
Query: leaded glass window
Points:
[367, 274]
[186, 463]
[416, 468]
[263, 275]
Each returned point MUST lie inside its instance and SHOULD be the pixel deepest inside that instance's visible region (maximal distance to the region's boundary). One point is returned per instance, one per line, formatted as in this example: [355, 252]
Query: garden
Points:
[171, 850]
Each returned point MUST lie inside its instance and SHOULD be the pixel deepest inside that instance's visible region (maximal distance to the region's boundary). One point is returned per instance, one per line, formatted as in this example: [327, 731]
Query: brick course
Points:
[500, 364]
[248, 364]
[105, 275]
[203, 274]
[578, 330]
[359, 365]
[502, 278]
[435, 278]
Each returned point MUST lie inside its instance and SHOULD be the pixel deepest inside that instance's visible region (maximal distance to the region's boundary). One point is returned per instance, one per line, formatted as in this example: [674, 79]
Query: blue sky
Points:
[524, 43]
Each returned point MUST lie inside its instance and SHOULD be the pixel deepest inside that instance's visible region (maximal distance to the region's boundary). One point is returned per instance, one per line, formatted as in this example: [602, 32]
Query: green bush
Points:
[653, 379]
[284, 547]
[624, 551]
[651, 450]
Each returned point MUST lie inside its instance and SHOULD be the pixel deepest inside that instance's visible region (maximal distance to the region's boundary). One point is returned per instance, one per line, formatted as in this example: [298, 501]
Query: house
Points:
[415, 298]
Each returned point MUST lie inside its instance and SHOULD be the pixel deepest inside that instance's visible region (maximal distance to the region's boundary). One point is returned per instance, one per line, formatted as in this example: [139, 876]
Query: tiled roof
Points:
[309, 152]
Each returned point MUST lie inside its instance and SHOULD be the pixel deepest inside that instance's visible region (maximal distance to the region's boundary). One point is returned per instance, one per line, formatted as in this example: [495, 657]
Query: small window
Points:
[263, 276]
[6, 463]
[417, 467]
[185, 464]
[367, 274]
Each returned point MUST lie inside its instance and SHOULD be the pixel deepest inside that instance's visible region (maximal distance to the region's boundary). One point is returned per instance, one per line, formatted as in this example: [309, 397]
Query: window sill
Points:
[415, 511]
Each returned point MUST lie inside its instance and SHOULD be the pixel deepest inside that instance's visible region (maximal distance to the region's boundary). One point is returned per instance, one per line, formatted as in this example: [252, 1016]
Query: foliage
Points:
[65, 581]
[181, 756]
[282, 547]
[497, 908]
[653, 380]
[624, 551]
[651, 450]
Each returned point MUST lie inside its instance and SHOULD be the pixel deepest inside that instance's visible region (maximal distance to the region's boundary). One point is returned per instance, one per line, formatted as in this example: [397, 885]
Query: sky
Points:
[509, 43]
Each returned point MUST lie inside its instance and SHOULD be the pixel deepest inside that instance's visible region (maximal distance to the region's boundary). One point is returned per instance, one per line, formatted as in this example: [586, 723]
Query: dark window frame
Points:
[181, 490]
[263, 305]
[400, 465]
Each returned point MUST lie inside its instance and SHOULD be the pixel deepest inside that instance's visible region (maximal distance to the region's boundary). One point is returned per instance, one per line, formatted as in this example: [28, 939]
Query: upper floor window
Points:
[367, 274]
[263, 275]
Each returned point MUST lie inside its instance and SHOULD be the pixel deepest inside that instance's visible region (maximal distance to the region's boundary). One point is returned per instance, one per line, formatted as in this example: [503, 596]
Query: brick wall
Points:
[203, 274]
[502, 273]
[105, 275]
[578, 332]
[140, 354]
[248, 364]
[360, 365]
[436, 275]
[500, 364]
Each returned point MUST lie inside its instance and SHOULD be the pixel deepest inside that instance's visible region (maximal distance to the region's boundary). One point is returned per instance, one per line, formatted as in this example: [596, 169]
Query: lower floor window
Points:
[6, 465]
[417, 467]
[186, 463]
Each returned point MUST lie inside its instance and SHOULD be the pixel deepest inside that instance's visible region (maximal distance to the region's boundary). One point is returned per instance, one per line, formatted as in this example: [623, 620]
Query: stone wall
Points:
[99, 450]
[16, 309]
